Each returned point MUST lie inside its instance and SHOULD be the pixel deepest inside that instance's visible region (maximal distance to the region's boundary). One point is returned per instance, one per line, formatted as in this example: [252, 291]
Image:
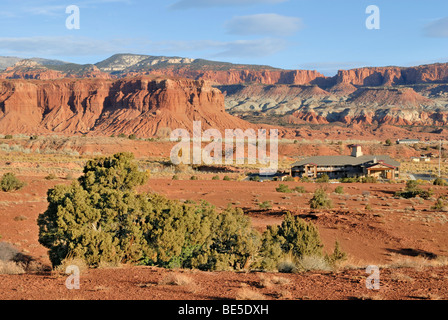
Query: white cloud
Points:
[264, 24]
[251, 48]
[437, 29]
[58, 46]
[50, 9]
[239, 48]
[188, 4]
[82, 46]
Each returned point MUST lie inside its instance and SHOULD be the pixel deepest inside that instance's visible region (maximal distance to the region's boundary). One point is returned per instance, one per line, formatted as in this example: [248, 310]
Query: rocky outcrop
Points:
[144, 106]
[29, 69]
[227, 77]
[390, 76]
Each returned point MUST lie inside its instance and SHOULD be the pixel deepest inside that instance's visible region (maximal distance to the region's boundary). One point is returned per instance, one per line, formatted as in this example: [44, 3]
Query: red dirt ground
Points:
[404, 237]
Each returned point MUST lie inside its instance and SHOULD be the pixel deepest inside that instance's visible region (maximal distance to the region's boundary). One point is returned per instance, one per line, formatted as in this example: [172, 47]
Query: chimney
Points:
[356, 150]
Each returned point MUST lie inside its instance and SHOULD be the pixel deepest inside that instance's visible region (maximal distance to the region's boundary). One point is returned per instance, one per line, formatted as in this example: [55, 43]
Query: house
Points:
[408, 141]
[355, 165]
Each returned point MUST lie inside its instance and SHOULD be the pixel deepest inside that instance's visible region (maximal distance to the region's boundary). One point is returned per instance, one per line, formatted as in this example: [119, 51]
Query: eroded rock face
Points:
[29, 69]
[142, 106]
[389, 76]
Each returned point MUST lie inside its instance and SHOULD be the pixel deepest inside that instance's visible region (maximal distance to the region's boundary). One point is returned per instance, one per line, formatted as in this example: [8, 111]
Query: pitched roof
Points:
[346, 160]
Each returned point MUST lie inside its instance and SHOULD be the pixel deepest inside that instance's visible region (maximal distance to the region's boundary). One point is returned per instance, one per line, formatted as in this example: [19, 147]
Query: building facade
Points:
[357, 165]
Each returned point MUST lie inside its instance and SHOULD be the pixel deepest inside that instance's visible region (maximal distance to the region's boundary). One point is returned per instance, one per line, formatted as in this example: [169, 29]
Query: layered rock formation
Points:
[389, 76]
[375, 95]
[144, 106]
[30, 69]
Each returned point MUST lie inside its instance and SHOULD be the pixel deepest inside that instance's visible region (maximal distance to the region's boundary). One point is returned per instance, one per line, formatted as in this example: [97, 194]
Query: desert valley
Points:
[56, 117]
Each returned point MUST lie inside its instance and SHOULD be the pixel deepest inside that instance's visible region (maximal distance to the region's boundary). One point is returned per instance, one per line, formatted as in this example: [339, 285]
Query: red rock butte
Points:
[142, 106]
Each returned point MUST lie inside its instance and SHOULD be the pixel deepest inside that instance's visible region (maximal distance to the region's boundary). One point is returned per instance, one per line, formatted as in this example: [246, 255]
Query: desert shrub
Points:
[34, 137]
[305, 179]
[100, 219]
[315, 262]
[122, 135]
[175, 177]
[299, 189]
[290, 241]
[440, 203]
[96, 218]
[369, 179]
[51, 176]
[254, 178]
[439, 182]
[8, 136]
[215, 178]
[287, 266]
[288, 178]
[193, 178]
[349, 180]
[283, 188]
[413, 190]
[181, 168]
[388, 142]
[324, 178]
[339, 190]
[226, 178]
[320, 200]
[199, 237]
[265, 205]
[132, 136]
[233, 244]
[10, 182]
[337, 256]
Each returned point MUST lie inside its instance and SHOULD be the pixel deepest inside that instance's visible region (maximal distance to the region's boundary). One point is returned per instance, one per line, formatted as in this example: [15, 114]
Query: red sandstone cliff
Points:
[142, 106]
[388, 76]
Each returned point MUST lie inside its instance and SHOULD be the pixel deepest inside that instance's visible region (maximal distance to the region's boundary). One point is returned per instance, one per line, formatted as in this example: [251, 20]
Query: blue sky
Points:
[323, 35]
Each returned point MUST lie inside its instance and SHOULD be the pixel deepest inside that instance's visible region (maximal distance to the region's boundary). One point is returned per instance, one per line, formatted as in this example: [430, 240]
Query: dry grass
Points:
[418, 263]
[401, 277]
[78, 262]
[11, 267]
[182, 280]
[266, 282]
[249, 294]
[176, 279]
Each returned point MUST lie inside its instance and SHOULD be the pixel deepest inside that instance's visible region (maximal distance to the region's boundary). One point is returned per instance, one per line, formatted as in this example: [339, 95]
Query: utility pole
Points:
[440, 154]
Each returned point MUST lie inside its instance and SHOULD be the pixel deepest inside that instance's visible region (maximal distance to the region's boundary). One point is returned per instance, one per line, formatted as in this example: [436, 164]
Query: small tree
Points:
[439, 182]
[339, 190]
[320, 200]
[265, 205]
[10, 182]
[413, 190]
[283, 188]
[293, 239]
[323, 178]
[440, 204]
[299, 189]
